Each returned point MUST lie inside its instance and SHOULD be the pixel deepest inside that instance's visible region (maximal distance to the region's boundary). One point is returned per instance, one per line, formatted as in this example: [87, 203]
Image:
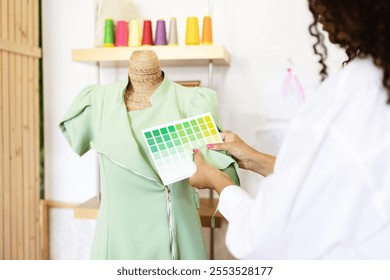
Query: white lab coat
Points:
[329, 195]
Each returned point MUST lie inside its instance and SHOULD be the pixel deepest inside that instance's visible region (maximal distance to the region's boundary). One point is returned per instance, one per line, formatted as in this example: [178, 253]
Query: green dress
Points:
[139, 217]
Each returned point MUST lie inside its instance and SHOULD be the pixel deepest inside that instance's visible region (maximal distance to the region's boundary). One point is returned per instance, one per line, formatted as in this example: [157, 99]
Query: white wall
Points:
[261, 36]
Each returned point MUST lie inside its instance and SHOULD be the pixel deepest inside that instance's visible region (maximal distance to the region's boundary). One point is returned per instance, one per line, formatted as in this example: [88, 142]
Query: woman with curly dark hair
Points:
[327, 195]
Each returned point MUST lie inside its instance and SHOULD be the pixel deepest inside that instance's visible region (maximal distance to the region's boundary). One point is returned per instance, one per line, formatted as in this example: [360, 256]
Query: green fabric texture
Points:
[133, 217]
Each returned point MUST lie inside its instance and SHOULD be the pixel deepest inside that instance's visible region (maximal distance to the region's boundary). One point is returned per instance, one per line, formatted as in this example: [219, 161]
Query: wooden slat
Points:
[13, 171]
[44, 225]
[18, 21]
[6, 155]
[36, 23]
[30, 25]
[36, 130]
[26, 127]
[31, 153]
[23, 27]
[11, 21]
[13, 174]
[26, 178]
[18, 48]
[19, 123]
[19, 154]
[2, 12]
[4, 19]
[36, 155]
[12, 117]
[1, 164]
[18, 132]
[30, 85]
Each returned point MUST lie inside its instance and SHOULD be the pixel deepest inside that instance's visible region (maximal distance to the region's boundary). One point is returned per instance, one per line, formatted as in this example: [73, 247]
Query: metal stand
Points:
[97, 156]
[211, 194]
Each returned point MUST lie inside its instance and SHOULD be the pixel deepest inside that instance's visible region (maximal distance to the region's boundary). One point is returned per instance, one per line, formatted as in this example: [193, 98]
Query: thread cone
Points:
[121, 33]
[192, 31]
[172, 36]
[161, 34]
[207, 32]
[135, 33]
[147, 36]
[109, 33]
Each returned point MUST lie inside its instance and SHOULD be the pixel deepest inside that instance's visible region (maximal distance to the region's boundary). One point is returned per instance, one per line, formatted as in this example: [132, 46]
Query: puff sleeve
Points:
[204, 101]
[77, 125]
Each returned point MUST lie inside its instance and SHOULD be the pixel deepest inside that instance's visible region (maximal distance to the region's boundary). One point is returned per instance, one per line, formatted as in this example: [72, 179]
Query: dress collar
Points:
[117, 141]
[157, 96]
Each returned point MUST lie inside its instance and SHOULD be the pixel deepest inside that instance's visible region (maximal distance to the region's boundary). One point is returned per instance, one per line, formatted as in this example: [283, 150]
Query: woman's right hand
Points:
[236, 147]
[246, 156]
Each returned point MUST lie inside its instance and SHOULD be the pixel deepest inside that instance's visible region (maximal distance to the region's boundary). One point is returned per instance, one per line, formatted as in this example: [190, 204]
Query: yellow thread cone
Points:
[192, 31]
[135, 33]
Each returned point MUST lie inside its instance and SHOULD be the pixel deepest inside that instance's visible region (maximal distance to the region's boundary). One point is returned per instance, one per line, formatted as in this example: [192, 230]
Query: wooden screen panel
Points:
[19, 124]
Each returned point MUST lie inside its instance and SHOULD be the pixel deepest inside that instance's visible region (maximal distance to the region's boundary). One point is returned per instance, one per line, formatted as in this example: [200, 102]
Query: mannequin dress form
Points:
[140, 217]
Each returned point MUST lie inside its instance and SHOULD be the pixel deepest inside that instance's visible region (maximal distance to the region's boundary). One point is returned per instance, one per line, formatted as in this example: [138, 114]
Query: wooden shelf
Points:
[90, 208]
[168, 55]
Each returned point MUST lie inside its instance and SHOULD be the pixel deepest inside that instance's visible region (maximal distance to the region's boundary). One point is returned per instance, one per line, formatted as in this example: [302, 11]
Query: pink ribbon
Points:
[292, 83]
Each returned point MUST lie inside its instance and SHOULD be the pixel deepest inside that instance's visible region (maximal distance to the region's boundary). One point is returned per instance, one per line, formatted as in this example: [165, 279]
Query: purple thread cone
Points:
[161, 34]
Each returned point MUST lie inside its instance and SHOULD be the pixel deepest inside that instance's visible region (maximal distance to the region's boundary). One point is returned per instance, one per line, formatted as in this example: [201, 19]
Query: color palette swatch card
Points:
[171, 145]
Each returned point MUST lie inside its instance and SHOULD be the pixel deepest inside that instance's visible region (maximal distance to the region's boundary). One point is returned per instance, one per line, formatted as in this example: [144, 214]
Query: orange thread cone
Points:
[207, 33]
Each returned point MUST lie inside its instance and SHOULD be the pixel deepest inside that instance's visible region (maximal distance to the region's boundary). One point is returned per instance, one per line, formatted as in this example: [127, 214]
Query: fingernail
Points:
[210, 146]
[196, 151]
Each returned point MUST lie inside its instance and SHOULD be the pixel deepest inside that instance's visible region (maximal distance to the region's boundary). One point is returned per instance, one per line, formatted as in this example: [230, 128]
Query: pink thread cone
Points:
[122, 33]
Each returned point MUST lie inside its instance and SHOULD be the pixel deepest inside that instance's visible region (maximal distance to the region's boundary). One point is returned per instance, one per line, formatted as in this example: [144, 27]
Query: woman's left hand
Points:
[207, 176]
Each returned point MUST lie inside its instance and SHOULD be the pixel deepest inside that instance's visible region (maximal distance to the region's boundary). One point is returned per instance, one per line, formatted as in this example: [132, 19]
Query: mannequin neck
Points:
[145, 76]
[141, 84]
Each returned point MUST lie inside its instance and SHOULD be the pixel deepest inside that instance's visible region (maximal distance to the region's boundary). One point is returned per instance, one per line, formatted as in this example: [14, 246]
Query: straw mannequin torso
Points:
[145, 76]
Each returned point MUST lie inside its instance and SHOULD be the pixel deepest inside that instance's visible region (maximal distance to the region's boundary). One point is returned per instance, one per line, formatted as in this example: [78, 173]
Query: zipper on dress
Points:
[121, 165]
[169, 209]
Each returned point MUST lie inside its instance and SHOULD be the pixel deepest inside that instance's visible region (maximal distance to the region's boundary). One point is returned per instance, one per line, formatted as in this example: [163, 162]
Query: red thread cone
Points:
[147, 36]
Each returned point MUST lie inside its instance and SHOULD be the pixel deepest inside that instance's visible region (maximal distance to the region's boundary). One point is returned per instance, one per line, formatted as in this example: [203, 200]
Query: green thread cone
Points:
[109, 33]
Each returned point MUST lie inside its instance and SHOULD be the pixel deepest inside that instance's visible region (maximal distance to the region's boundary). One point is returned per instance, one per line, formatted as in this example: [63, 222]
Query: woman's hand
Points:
[207, 176]
[246, 156]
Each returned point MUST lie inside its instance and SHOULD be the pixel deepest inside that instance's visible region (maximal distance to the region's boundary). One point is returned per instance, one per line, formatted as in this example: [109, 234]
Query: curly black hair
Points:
[358, 26]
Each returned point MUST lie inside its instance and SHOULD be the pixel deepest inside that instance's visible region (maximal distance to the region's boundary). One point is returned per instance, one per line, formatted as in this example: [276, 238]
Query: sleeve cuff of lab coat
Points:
[230, 201]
